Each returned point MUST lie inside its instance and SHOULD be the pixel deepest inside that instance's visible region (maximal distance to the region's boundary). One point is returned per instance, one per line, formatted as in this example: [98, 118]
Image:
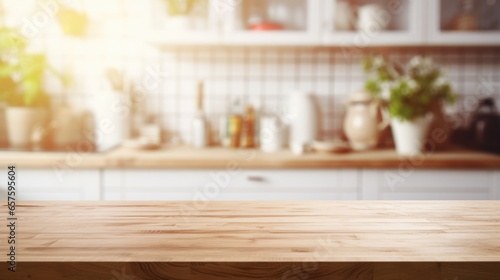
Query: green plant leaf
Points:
[373, 87]
[20, 72]
[179, 7]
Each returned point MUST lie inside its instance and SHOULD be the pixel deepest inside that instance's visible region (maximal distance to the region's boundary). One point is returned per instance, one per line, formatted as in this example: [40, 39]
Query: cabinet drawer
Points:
[428, 184]
[296, 184]
[222, 184]
[145, 184]
[52, 184]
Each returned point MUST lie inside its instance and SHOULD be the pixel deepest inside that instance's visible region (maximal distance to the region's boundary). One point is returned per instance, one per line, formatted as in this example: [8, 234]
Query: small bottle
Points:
[223, 131]
[199, 127]
[256, 125]
[235, 125]
[247, 136]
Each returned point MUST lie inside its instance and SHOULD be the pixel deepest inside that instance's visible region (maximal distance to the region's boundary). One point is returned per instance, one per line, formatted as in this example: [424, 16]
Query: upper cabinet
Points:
[352, 23]
[186, 22]
[271, 22]
[367, 23]
[464, 22]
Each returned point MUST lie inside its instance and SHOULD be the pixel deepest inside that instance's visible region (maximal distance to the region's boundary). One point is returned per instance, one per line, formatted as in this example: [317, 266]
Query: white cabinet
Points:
[224, 184]
[303, 184]
[315, 23]
[143, 184]
[394, 23]
[407, 184]
[254, 184]
[199, 27]
[289, 184]
[53, 184]
[298, 22]
[450, 19]
[233, 22]
[496, 191]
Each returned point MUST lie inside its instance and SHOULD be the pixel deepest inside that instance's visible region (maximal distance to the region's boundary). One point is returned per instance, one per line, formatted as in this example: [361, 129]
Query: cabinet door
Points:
[294, 185]
[152, 184]
[496, 191]
[179, 24]
[373, 23]
[393, 184]
[464, 22]
[207, 185]
[51, 184]
[295, 23]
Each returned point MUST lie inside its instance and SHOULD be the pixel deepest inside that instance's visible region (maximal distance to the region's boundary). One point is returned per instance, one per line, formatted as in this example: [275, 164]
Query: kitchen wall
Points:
[265, 76]
[271, 75]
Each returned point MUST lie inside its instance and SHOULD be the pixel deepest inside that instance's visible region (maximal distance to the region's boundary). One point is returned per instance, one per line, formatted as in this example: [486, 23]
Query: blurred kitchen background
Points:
[145, 63]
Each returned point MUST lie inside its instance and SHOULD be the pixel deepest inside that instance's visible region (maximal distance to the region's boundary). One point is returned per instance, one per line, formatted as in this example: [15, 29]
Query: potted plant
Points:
[410, 94]
[180, 14]
[21, 91]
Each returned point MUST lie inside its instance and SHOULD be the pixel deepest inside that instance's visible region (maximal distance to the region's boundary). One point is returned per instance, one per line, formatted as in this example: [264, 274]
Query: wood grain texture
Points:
[315, 231]
[251, 270]
[186, 157]
[189, 271]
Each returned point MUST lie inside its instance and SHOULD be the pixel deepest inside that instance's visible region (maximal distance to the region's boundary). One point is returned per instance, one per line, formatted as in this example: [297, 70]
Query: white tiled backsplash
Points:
[253, 73]
[270, 75]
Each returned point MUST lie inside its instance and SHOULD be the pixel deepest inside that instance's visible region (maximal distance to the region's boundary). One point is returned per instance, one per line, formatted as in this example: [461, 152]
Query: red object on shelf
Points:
[266, 26]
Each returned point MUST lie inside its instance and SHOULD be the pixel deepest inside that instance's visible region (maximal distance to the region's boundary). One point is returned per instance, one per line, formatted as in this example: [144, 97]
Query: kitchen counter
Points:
[351, 231]
[319, 232]
[186, 157]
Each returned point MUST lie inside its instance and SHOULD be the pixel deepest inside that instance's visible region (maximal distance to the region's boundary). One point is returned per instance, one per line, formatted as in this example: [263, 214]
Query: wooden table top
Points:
[186, 157]
[316, 231]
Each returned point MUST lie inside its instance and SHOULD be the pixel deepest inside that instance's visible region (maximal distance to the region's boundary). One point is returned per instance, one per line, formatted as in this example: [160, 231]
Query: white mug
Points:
[373, 18]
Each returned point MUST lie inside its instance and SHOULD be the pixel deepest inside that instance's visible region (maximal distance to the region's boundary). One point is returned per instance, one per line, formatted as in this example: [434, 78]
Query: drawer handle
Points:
[256, 179]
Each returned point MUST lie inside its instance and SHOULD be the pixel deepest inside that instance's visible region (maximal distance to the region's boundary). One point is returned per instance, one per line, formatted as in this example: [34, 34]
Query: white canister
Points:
[111, 110]
[373, 18]
[303, 119]
[227, 15]
[199, 137]
[271, 134]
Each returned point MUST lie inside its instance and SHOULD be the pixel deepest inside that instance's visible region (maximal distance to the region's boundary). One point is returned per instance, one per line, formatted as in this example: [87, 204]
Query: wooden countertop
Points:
[185, 157]
[316, 231]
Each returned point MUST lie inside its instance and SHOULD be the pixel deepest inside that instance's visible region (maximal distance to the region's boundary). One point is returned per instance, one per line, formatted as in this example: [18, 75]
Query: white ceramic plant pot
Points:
[409, 136]
[179, 23]
[20, 123]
